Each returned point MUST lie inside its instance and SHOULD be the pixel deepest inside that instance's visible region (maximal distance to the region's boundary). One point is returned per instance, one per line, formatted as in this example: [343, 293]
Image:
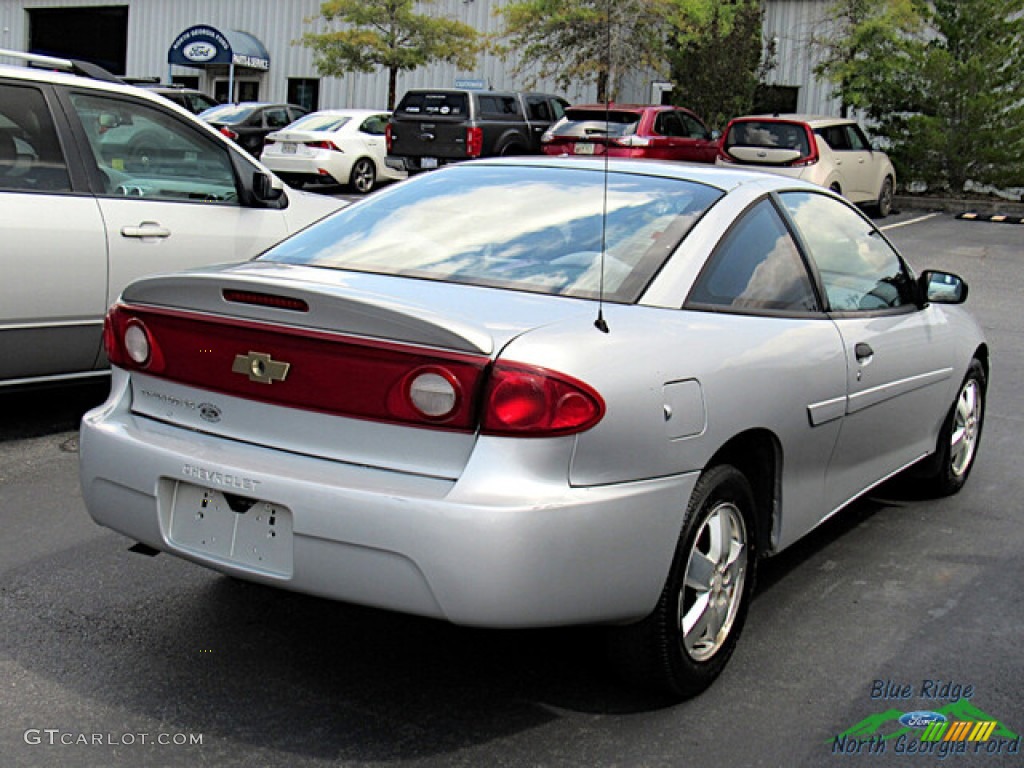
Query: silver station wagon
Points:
[538, 391]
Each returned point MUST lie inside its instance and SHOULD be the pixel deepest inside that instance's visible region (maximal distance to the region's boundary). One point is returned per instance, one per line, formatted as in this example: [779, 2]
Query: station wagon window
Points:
[30, 154]
[858, 273]
[756, 266]
[141, 151]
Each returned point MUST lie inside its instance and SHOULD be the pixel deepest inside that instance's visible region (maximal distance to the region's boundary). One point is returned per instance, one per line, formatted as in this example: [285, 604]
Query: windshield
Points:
[536, 229]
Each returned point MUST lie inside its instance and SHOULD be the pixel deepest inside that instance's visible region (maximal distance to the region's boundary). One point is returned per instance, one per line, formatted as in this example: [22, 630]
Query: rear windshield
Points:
[767, 134]
[596, 123]
[317, 122]
[535, 229]
[230, 114]
[434, 104]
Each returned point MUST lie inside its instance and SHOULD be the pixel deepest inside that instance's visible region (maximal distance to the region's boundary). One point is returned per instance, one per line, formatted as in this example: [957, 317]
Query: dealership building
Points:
[247, 50]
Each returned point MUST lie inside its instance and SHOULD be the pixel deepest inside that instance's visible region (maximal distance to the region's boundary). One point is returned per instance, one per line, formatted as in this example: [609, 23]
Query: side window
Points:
[142, 151]
[277, 118]
[539, 109]
[668, 124]
[859, 269]
[835, 136]
[694, 129]
[31, 159]
[756, 266]
[857, 139]
[375, 125]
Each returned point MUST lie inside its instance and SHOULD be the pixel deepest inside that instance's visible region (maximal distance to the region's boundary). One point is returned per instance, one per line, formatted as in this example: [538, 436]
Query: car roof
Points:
[39, 75]
[358, 112]
[815, 121]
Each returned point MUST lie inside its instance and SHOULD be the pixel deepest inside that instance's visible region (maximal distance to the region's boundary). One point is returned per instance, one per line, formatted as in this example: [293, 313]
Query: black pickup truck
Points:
[436, 126]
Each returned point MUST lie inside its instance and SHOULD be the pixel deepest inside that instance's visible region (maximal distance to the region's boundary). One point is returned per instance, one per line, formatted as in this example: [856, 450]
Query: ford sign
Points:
[921, 719]
[199, 52]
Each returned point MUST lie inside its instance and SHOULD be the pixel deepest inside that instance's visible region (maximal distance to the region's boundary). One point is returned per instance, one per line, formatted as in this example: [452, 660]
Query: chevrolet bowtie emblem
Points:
[259, 367]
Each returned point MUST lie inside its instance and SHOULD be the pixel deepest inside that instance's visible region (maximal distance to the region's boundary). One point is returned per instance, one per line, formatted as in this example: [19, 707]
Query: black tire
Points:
[659, 653]
[363, 177]
[883, 206]
[959, 438]
[511, 150]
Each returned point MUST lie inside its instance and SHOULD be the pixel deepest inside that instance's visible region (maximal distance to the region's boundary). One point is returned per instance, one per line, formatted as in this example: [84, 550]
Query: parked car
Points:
[101, 183]
[830, 151]
[193, 100]
[627, 130]
[432, 127]
[448, 400]
[336, 146]
[249, 122]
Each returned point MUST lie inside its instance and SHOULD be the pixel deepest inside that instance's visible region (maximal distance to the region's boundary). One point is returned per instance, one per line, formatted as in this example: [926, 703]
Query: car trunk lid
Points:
[321, 362]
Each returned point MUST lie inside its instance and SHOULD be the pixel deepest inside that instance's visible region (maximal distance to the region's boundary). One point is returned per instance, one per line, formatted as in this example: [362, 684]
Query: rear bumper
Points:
[491, 549]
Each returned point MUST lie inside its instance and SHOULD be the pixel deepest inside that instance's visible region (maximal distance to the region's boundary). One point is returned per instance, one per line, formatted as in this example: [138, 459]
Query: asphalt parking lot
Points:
[109, 658]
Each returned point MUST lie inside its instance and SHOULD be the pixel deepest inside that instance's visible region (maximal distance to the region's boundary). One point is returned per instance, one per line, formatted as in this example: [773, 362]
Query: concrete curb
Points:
[985, 206]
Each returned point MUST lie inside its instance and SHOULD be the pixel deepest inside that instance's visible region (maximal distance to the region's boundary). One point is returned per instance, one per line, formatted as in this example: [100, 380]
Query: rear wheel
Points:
[883, 207]
[960, 436]
[684, 644]
[364, 175]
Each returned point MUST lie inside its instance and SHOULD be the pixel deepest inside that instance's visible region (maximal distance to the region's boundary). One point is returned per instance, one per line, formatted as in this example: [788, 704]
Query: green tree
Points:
[584, 41]
[718, 57]
[366, 35]
[946, 87]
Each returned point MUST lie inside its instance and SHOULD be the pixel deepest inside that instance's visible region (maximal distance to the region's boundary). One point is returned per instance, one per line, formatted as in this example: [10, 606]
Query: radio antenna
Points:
[600, 323]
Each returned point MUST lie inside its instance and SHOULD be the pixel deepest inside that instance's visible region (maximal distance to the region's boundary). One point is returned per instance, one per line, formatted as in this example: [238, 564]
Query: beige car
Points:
[830, 151]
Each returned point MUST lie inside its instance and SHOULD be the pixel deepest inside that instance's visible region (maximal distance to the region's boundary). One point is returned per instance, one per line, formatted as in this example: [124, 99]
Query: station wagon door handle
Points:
[863, 352]
[146, 229]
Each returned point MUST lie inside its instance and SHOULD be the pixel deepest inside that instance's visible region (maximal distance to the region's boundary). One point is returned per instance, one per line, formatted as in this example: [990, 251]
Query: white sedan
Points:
[334, 146]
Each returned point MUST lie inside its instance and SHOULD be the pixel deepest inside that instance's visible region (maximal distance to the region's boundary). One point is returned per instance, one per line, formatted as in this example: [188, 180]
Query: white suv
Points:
[101, 183]
[830, 151]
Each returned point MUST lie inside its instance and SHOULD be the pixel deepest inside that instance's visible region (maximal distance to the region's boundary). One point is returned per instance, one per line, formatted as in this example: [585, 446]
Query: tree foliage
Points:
[718, 57]
[584, 41]
[367, 35]
[944, 82]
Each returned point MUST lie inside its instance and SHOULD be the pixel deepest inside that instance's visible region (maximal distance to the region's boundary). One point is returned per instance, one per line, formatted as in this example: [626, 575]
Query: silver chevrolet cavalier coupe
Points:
[538, 391]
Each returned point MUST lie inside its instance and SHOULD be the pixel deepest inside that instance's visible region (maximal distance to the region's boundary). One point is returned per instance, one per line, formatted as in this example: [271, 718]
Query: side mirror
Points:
[266, 188]
[716, 135]
[942, 288]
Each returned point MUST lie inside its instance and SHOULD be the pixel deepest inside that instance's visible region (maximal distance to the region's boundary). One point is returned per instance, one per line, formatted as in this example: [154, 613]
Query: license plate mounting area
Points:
[238, 530]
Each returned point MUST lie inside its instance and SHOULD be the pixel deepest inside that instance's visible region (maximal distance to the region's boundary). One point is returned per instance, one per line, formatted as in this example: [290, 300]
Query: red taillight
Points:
[325, 371]
[129, 343]
[812, 157]
[724, 156]
[388, 140]
[474, 141]
[323, 145]
[229, 133]
[533, 402]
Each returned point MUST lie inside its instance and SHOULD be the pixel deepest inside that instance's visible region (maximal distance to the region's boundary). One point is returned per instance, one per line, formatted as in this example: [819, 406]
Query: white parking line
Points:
[910, 221]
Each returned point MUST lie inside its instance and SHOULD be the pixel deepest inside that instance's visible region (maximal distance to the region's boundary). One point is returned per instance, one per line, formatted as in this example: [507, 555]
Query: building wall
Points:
[154, 24]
